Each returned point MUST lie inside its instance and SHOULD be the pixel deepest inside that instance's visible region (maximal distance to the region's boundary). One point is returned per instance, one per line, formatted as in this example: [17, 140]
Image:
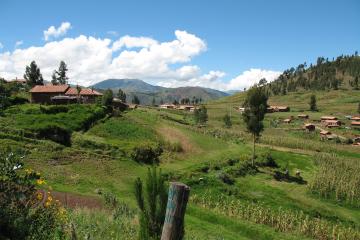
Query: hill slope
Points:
[147, 92]
[340, 73]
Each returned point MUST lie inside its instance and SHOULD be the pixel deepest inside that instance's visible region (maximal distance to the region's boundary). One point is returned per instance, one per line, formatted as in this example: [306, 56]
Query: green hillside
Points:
[229, 199]
[340, 73]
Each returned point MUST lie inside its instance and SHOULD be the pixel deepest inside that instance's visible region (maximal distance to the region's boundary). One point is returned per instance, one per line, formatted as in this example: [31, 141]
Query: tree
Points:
[227, 121]
[262, 82]
[312, 103]
[152, 204]
[255, 109]
[153, 103]
[200, 115]
[107, 98]
[135, 100]
[33, 75]
[78, 90]
[121, 95]
[59, 76]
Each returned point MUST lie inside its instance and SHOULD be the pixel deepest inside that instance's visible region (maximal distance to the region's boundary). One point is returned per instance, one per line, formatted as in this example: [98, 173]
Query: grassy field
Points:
[212, 161]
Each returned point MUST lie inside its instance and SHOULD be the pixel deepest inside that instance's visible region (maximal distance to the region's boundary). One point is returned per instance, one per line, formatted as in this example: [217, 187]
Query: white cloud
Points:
[56, 32]
[91, 60]
[18, 43]
[250, 77]
[131, 42]
[113, 33]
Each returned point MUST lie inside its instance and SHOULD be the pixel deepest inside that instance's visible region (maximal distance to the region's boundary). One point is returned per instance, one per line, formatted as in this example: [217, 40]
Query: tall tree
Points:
[255, 109]
[121, 95]
[312, 103]
[107, 99]
[54, 80]
[135, 100]
[59, 76]
[33, 75]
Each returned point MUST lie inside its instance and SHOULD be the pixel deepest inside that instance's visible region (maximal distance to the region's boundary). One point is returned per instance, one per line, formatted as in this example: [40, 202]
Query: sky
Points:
[226, 45]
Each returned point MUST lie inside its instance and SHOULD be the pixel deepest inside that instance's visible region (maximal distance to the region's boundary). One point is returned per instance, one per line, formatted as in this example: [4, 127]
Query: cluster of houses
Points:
[189, 108]
[270, 109]
[62, 94]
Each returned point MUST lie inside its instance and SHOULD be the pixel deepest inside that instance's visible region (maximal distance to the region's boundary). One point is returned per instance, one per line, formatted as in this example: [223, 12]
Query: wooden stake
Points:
[173, 228]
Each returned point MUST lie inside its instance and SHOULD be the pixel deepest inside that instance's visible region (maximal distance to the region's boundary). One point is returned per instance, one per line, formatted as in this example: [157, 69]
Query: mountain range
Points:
[147, 92]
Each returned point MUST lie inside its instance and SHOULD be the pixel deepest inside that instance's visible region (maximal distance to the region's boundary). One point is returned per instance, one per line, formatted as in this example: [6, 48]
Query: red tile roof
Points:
[49, 89]
[83, 92]
[328, 118]
[355, 123]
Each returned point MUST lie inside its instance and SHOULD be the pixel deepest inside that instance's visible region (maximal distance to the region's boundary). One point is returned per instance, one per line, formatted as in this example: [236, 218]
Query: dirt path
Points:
[174, 135]
[73, 200]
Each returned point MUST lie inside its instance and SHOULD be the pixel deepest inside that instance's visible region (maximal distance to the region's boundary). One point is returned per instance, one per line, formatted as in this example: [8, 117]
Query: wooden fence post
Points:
[173, 228]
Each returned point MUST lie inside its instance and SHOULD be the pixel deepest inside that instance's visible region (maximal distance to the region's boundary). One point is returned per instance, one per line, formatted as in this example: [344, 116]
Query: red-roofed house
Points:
[87, 95]
[44, 93]
[61, 94]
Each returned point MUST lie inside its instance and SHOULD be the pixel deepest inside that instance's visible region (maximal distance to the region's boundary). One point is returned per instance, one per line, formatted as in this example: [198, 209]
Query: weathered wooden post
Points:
[173, 228]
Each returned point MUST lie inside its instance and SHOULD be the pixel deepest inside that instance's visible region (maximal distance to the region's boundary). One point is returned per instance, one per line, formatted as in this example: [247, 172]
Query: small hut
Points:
[309, 127]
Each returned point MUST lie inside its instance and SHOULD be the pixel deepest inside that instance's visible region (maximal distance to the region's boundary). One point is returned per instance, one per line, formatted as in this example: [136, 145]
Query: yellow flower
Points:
[40, 181]
[39, 196]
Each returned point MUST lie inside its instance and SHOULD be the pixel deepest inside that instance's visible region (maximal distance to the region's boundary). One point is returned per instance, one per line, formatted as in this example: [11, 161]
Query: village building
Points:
[62, 94]
[303, 116]
[355, 124]
[168, 106]
[86, 95]
[355, 118]
[43, 93]
[118, 104]
[309, 127]
[324, 118]
[190, 108]
[331, 123]
[288, 120]
[326, 135]
[241, 109]
[272, 109]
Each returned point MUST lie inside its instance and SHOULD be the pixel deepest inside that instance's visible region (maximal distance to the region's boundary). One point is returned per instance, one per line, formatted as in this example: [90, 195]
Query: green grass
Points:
[99, 159]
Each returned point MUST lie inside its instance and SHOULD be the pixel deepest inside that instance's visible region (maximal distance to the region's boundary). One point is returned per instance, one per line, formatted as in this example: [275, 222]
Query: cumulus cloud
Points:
[250, 77]
[18, 43]
[54, 32]
[91, 60]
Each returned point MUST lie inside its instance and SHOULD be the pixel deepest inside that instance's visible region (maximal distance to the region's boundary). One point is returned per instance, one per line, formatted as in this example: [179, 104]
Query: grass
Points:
[99, 159]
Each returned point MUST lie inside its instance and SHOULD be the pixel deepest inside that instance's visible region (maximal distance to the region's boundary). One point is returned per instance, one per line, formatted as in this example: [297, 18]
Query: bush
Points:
[14, 100]
[226, 178]
[54, 109]
[54, 133]
[25, 213]
[267, 161]
[147, 154]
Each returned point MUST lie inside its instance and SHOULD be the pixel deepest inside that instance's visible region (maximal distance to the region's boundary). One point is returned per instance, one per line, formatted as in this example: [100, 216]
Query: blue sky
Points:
[239, 35]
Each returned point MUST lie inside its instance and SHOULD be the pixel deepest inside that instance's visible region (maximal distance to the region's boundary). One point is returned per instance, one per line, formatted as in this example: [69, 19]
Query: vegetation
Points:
[25, 211]
[337, 178]
[312, 103]
[227, 121]
[200, 115]
[152, 204]
[59, 76]
[32, 75]
[255, 108]
[135, 100]
[121, 95]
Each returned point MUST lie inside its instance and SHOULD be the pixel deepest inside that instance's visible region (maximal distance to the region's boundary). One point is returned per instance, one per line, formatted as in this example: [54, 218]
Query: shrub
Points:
[152, 204]
[267, 160]
[226, 178]
[14, 100]
[147, 154]
[25, 213]
[54, 109]
[54, 133]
